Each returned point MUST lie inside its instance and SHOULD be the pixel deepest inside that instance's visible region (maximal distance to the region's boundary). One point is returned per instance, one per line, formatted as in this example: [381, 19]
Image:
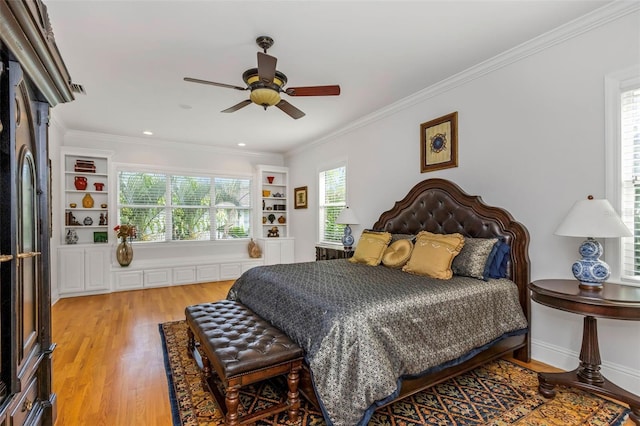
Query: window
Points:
[178, 207]
[332, 199]
[622, 125]
[630, 168]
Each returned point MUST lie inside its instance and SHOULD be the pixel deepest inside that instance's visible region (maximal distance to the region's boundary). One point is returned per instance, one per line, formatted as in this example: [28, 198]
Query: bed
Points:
[374, 334]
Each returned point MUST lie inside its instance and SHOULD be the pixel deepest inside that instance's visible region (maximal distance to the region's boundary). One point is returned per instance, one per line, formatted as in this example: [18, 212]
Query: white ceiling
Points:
[131, 57]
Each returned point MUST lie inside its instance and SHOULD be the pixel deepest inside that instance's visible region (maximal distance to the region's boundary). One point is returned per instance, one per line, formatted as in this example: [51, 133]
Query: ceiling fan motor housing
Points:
[264, 93]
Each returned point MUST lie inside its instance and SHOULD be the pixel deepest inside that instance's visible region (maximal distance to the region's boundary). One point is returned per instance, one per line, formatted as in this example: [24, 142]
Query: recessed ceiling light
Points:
[242, 144]
[147, 132]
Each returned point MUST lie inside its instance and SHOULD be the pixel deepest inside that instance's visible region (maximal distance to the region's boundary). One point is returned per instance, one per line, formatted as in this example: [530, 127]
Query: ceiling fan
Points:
[266, 83]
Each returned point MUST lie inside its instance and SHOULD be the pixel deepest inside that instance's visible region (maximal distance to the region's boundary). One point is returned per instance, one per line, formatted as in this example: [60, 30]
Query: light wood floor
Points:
[108, 367]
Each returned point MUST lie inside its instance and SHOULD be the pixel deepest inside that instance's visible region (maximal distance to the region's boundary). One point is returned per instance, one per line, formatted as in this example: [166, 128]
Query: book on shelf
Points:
[86, 166]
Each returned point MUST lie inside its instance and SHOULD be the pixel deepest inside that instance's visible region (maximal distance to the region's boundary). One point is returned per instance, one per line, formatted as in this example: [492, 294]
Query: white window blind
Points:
[232, 208]
[630, 168]
[187, 213]
[190, 208]
[141, 201]
[332, 199]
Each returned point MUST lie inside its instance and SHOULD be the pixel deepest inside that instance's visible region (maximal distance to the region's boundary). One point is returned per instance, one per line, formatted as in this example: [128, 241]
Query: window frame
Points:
[614, 85]
[319, 225]
[169, 207]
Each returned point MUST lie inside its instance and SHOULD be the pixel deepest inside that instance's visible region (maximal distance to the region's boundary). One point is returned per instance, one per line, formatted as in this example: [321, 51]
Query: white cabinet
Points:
[184, 275]
[149, 274]
[207, 273]
[96, 264]
[83, 270]
[85, 186]
[230, 271]
[157, 277]
[277, 250]
[273, 202]
[128, 279]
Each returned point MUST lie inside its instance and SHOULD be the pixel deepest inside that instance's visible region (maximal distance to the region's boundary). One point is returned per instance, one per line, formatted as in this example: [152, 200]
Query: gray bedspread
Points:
[364, 327]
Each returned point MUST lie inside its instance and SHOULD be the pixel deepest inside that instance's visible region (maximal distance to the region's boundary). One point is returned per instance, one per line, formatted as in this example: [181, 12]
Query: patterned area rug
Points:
[499, 393]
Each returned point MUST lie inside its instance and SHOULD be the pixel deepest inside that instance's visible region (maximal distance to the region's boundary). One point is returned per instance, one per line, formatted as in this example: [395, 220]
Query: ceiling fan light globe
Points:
[265, 97]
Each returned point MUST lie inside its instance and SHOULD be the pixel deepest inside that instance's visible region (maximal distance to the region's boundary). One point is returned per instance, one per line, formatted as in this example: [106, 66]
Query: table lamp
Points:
[347, 217]
[592, 219]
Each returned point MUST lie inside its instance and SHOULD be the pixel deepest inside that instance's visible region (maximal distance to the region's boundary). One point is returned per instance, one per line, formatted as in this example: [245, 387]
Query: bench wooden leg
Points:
[232, 400]
[293, 400]
[191, 344]
[206, 372]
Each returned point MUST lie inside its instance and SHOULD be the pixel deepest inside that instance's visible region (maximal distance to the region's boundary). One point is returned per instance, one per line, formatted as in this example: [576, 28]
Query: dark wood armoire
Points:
[33, 78]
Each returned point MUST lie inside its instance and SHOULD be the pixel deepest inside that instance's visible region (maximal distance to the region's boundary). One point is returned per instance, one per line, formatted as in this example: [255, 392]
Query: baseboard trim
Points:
[559, 357]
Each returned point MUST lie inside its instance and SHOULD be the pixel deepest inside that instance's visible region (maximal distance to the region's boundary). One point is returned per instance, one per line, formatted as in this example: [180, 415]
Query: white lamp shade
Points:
[347, 217]
[593, 218]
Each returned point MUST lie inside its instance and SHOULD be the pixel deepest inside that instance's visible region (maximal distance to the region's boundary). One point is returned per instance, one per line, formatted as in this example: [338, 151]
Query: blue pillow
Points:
[498, 266]
[490, 259]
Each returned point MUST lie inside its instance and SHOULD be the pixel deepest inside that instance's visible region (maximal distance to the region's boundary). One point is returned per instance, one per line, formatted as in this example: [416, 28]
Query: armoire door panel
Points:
[27, 227]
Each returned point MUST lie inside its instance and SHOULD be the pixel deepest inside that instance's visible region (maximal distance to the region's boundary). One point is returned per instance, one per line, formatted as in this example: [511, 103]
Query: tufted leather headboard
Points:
[442, 207]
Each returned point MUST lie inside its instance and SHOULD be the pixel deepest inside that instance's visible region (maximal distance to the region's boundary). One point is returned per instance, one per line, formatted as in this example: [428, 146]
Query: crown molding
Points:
[26, 31]
[571, 29]
[79, 138]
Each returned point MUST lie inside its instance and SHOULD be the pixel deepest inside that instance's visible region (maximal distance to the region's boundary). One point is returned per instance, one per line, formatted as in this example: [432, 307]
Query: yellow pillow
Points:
[397, 254]
[370, 248]
[433, 254]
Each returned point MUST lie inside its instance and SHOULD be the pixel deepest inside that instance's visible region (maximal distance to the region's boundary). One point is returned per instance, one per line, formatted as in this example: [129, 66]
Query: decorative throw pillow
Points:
[433, 253]
[498, 267]
[473, 258]
[397, 254]
[370, 248]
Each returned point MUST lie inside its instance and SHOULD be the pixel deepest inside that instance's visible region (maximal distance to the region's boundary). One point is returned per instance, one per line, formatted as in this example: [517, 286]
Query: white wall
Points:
[531, 140]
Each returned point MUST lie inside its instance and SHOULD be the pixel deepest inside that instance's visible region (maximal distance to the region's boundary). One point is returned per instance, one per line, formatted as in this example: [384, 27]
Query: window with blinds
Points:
[178, 207]
[630, 169]
[332, 199]
[141, 202]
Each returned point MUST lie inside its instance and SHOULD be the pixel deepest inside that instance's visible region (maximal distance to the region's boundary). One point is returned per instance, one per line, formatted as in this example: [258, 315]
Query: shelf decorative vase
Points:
[124, 253]
[80, 183]
[72, 237]
[254, 249]
[87, 201]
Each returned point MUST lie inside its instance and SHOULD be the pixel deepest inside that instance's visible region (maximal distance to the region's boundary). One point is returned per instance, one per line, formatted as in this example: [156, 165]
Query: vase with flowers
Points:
[124, 250]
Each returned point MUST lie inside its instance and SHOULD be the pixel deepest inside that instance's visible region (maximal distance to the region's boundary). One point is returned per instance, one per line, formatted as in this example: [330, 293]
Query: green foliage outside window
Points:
[139, 195]
[333, 190]
[188, 212]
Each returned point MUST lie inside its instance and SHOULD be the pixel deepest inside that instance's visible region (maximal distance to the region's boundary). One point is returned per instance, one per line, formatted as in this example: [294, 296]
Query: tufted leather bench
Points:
[243, 349]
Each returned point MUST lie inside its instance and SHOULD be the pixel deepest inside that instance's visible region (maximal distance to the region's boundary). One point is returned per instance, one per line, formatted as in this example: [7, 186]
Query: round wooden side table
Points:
[612, 301]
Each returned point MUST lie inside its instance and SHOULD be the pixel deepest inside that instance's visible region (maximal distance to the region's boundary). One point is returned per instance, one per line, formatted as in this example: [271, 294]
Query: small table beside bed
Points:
[374, 334]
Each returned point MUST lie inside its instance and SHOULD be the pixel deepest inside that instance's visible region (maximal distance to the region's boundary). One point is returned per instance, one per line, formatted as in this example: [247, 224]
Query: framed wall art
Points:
[439, 143]
[300, 197]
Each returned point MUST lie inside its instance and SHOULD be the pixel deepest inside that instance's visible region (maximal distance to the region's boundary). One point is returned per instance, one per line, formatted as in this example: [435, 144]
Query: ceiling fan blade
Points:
[314, 91]
[266, 67]
[213, 83]
[238, 106]
[294, 112]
